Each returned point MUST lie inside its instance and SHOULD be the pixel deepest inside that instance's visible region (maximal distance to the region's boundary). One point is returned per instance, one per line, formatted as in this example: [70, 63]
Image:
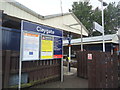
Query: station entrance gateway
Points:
[41, 59]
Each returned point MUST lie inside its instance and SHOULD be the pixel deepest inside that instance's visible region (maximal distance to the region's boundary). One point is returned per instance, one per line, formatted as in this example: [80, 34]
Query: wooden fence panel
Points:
[7, 68]
[118, 71]
[38, 71]
[102, 70]
[82, 64]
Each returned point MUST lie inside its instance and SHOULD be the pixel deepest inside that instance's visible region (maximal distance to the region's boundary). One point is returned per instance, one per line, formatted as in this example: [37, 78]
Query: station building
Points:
[14, 12]
[94, 44]
[33, 72]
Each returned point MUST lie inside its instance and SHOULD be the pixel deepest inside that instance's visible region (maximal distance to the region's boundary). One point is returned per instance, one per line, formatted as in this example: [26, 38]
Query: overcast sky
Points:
[48, 7]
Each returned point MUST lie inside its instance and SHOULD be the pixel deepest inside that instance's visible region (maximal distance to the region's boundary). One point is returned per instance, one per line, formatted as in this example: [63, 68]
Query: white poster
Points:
[30, 47]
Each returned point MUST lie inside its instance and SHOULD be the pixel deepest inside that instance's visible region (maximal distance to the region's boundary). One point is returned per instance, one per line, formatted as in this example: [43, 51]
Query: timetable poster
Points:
[30, 47]
[58, 47]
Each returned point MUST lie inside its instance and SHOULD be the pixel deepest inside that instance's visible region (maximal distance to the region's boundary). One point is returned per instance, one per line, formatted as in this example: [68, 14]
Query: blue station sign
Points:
[29, 26]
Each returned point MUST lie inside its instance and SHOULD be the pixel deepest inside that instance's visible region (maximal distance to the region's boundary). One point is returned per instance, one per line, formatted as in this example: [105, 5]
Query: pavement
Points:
[70, 81]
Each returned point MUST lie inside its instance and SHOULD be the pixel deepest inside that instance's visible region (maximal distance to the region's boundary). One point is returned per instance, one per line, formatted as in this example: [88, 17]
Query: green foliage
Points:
[83, 12]
[111, 19]
[87, 16]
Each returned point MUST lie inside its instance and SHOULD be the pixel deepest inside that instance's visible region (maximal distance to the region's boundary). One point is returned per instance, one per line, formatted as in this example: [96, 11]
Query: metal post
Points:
[69, 53]
[62, 69]
[69, 57]
[21, 56]
[1, 19]
[81, 40]
[68, 65]
[62, 61]
[61, 7]
[103, 25]
[20, 66]
[62, 44]
[119, 37]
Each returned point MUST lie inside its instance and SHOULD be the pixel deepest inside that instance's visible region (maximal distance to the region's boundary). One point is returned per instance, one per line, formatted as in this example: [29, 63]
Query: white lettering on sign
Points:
[45, 31]
[90, 56]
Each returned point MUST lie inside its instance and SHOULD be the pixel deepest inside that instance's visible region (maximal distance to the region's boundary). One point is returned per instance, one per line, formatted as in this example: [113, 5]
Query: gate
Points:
[101, 70]
[82, 70]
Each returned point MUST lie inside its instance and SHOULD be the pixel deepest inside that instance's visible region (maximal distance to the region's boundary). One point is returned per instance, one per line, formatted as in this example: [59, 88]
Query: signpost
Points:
[100, 29]
[103, 4]
[40, 42]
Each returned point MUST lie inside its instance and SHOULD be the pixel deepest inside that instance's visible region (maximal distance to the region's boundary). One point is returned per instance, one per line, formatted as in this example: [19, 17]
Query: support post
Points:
[81, 40]
[21, 56]
[69, 57]
[62, 63]
[103, 25]
[69, 45]
[1, 19]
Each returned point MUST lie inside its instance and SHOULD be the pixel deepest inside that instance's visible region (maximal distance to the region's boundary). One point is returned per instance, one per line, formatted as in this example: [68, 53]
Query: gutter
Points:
[24, 8]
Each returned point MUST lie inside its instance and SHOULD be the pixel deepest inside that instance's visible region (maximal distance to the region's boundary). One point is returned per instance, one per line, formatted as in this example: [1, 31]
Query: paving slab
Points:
[70, 81]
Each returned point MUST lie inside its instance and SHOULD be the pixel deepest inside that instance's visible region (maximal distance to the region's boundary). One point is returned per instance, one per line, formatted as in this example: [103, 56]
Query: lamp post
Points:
[103, 4]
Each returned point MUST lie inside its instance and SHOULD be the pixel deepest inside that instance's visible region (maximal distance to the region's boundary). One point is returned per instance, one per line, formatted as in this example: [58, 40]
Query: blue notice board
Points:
[58, 47]
[48, 31]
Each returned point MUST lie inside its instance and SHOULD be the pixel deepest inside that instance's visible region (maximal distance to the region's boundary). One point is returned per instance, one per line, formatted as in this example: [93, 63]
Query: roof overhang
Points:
[94, 40]
[72, 23]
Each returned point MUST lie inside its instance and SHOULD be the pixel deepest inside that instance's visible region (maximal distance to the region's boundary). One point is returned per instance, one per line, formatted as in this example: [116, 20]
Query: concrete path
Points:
[70, 81]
